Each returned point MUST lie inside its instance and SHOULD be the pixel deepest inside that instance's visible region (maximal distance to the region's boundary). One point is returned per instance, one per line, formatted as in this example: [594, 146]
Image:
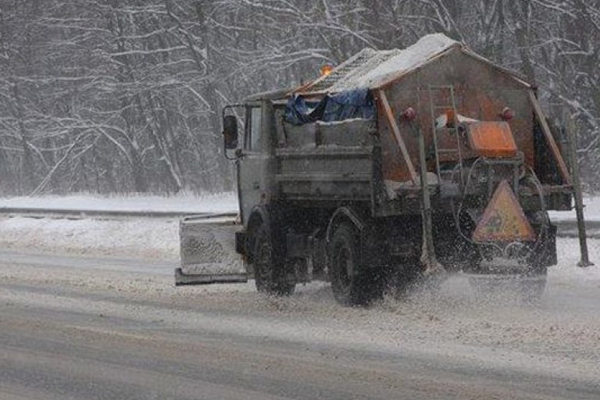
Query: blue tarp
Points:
[344, 105]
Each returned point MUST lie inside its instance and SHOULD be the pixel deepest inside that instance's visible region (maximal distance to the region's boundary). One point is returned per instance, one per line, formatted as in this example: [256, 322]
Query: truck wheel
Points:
[269, 267]
[351, 285]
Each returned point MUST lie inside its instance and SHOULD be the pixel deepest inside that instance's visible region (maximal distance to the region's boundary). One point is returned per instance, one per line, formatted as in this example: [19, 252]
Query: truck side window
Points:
[253, 129]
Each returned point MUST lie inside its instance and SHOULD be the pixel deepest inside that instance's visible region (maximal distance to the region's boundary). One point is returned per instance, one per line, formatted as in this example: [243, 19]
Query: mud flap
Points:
[207, 250]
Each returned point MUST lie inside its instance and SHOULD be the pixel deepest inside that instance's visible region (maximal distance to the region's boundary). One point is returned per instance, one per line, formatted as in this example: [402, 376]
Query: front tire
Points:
[269, 266]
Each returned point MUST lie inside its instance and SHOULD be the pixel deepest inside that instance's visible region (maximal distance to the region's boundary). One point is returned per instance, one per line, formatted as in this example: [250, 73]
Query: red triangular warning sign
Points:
[503, 219]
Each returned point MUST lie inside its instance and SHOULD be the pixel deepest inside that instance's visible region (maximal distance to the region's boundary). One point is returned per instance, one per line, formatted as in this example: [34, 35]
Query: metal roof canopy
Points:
[375, 69]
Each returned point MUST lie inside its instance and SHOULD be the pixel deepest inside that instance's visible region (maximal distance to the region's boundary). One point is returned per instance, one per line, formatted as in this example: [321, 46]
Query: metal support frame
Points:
[387, 110]
[572, 134]
[515, 163]
[428, 259]
[562, 166]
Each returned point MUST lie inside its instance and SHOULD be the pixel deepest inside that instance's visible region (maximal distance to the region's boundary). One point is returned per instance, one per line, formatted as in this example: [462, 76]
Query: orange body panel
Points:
[481, 93]
[492, 139]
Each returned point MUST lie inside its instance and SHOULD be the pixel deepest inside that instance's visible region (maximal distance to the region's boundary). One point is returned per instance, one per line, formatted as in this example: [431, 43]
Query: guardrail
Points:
[103, 214]
[568, 229]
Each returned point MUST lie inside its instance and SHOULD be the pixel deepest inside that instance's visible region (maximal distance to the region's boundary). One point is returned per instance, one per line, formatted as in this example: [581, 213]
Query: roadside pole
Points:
[572, 135]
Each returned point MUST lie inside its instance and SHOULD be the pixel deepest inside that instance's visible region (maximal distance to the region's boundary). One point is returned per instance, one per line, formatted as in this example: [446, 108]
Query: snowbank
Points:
[567, 270]
[130, 238]
[135, 238]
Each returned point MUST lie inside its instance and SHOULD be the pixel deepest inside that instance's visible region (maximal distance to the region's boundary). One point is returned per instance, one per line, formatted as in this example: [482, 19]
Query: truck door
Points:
[250, 162]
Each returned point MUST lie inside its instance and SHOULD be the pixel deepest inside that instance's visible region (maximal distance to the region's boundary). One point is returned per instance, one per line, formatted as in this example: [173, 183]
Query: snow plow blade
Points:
[207, 251]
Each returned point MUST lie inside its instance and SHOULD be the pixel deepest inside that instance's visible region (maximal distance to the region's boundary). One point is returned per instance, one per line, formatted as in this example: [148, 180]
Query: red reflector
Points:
[450, 118]
[409, 114]
[507, 114]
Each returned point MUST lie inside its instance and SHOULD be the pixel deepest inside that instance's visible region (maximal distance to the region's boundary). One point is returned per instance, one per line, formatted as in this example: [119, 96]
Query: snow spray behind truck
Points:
[396, 166]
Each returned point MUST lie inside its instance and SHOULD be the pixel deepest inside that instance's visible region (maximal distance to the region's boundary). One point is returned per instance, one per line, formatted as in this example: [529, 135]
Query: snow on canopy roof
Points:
[372, 69]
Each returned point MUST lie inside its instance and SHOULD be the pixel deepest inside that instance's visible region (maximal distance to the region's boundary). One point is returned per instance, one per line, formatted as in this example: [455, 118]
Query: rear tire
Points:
[269, 265]
[352, 285]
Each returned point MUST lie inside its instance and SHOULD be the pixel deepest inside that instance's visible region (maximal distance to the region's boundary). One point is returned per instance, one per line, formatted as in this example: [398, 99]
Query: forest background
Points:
[123, 96]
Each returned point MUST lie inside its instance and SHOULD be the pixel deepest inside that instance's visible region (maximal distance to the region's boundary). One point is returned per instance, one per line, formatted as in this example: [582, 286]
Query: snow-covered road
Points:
[96, 327]
[89, 310]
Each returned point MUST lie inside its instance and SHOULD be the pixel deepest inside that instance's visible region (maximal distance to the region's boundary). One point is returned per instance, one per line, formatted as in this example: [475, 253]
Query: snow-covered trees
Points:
[125, 95]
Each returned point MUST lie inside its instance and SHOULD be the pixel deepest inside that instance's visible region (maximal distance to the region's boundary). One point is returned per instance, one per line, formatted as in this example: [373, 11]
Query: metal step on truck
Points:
[397, 166]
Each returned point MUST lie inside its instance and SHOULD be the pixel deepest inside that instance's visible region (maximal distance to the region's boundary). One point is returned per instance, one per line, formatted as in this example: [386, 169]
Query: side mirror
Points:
[230, 132]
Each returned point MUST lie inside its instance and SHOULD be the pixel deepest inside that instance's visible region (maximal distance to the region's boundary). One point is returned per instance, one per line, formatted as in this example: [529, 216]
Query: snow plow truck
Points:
[394, 167]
